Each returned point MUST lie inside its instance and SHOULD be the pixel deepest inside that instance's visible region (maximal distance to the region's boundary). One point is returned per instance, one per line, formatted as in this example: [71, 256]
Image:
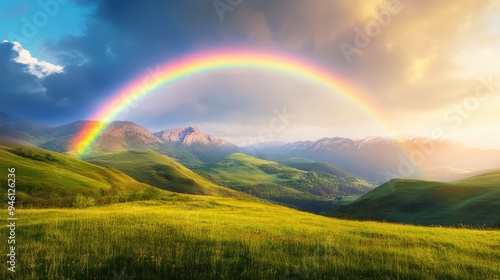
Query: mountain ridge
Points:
[191, 135]
[377, 159]
[383, 158]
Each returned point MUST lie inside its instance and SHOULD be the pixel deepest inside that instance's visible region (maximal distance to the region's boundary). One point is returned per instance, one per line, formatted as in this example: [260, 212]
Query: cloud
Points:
[415, 49]
[40, 69]
[15, 79]
[424, 58]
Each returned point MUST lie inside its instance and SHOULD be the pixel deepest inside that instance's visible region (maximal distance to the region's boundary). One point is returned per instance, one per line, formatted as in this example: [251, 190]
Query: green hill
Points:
[474, 201]
[161, 171]
[306, 190]
[49, 179]
[310, 165]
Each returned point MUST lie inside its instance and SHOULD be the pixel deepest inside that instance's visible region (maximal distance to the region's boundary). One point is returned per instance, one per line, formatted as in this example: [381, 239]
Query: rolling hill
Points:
[161, 171]
[309, 165]
[474, 201]
[49, 179]
[305, 190]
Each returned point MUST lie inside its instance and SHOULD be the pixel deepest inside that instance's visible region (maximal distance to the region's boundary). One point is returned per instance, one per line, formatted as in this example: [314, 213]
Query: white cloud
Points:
[40, 69]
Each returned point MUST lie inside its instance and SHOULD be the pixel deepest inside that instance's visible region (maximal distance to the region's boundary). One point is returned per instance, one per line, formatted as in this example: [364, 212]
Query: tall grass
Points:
[222, 238]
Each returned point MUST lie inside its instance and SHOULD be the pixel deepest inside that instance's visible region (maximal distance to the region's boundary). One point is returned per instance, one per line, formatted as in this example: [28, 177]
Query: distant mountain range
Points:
[381, 159]
[376, 159]
[117, 137]
[128, 162]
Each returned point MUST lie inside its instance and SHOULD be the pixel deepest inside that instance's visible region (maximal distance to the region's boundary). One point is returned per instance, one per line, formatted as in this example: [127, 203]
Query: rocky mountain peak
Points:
[190, 136]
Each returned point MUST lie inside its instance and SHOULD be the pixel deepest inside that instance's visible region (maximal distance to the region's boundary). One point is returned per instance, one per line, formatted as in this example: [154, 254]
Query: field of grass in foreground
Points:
[224, 238]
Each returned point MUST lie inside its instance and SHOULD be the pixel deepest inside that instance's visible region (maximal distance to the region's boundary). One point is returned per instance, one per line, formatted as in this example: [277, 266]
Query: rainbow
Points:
[217, 61]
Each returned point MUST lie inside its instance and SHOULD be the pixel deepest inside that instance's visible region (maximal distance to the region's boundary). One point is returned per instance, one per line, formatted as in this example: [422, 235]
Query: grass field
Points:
[202, 237]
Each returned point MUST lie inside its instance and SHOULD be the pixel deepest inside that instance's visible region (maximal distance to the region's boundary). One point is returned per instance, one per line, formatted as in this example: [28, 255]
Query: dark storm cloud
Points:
[123, 39]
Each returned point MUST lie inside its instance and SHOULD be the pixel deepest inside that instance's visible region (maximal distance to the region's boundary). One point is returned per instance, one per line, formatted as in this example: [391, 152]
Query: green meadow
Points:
[203, 237]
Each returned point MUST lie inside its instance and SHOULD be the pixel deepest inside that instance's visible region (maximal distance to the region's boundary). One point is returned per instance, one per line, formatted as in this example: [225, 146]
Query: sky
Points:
[429, 68]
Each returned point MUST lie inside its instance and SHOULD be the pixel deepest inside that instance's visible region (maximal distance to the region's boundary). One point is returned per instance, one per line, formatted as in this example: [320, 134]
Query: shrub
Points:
[82, 201]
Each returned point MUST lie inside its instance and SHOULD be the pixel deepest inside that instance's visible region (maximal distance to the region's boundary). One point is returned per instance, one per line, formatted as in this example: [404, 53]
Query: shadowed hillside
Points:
[474, 201]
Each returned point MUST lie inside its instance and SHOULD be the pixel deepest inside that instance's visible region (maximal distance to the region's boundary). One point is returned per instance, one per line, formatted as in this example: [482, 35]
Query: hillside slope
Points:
[309, 165]
[473, 201]
[306, 190]
[49, 179]
[162, 172]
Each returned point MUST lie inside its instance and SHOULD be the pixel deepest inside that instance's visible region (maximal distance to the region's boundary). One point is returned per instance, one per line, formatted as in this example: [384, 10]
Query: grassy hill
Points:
[473, 201]
[49, 179]
[306, 190]
[310, 165]
[194, 155]
[161, 171]
[202, 237]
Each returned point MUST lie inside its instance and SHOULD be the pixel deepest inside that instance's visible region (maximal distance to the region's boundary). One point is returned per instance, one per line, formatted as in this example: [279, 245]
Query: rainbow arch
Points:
[211, 61]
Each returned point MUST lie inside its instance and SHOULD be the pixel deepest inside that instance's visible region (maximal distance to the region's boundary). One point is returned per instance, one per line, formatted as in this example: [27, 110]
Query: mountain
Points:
[17, 130]
[190, 136]
[11, 135]
[188, 145]
[117, 136]
[305, 190]
[123, 136]
[474, 201]
[28, 127]
[377, 159]
[162, 172]
[49, 179]
[192, 147]
[381, 159]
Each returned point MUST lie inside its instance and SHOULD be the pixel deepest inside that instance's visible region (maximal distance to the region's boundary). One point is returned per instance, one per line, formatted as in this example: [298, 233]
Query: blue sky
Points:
[421, 64]
[62, 20]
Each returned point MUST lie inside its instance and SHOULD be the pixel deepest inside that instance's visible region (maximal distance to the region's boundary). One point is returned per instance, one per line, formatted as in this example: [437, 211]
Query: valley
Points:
[184, 204]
